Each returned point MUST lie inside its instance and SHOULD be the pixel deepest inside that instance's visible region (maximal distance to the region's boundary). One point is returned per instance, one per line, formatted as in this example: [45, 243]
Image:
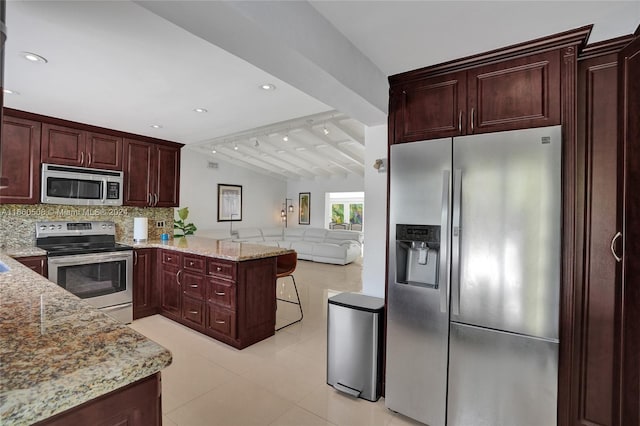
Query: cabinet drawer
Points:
[193, 285]
[193, 310]
[221, 320]
[222, 293]
[193, 263]
[221, 268]
[170, 258]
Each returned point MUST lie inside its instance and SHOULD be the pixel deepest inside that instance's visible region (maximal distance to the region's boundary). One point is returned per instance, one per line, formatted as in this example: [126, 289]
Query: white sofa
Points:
[316, 244]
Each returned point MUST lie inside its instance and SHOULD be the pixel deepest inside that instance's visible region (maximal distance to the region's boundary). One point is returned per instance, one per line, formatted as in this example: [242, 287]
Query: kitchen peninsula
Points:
[64, 362]
[220, 288]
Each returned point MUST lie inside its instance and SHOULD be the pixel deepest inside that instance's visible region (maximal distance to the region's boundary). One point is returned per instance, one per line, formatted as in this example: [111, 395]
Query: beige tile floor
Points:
[280, 381]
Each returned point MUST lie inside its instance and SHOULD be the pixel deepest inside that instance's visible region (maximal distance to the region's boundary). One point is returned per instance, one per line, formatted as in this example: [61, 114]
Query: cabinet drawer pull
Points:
[82, 158]
[190, 263]
[613, 247]
[219, 293]
[218, 269]
[193, 312]
[472, 114]
[460, 121]
[88, 159]
[178, 277]
[193, 285]
[220, 322]
[169, 258]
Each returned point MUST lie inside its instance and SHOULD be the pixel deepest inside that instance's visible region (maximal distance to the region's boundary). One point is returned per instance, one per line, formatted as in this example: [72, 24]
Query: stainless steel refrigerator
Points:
[474, 279]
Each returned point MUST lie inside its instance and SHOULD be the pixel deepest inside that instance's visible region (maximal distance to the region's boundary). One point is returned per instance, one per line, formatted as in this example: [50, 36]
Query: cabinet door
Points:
[515, 94]
[430, 108]
[170, 293]
[104, 151]
[62, 145]
[596, 288]
[629, 113]
[145, 300]
[35, 263]
[20, 146]
[137, 173]
[167, 176]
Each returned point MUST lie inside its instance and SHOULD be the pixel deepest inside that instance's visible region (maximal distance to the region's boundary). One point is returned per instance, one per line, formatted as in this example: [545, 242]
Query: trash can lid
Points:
[358, 301]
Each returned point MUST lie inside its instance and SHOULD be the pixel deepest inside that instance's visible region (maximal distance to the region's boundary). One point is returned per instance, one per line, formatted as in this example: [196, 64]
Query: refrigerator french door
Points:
[475, 341]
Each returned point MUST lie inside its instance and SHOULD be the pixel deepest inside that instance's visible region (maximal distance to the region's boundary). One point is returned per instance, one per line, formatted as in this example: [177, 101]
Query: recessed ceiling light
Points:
[213, 151]
[156, 126]
[285, 138]
[268, 86]
[10, 92]
[200, 110]
[235, 146]
[33, 57]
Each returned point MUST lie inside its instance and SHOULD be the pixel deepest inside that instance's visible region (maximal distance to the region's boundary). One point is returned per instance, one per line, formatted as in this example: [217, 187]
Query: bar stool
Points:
[285, 265]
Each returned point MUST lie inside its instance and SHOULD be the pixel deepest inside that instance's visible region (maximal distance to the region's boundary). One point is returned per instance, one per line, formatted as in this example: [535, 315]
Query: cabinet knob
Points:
[169, 258]
[190, 263]
[218, 269]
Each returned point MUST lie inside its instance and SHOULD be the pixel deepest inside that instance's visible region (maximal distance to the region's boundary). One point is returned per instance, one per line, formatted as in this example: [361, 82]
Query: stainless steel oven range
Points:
[84, 259]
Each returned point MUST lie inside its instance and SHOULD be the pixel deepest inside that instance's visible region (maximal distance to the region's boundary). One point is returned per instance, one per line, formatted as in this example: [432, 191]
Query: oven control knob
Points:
[110, 226]
[42, 227]
[52, 227]
[104, 226]
[59, 226]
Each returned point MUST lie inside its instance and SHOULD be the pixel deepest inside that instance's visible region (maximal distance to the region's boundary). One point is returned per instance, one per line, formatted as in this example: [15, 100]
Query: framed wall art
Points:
[304, 201]
[229, 203]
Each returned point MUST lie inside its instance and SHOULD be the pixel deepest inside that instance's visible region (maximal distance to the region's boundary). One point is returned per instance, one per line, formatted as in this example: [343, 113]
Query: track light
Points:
[325, 130]
[235, 146]
[286, 138]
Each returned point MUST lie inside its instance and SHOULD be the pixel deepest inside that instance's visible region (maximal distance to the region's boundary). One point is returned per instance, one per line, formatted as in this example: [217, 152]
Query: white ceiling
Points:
[127, 65]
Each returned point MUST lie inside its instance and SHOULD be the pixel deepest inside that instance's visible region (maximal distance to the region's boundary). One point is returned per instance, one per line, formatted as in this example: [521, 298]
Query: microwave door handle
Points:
[104, 190]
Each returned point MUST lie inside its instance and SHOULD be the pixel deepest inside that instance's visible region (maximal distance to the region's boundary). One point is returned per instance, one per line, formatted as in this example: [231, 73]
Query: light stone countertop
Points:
[57, 351]
[25, 252]
[221, 249]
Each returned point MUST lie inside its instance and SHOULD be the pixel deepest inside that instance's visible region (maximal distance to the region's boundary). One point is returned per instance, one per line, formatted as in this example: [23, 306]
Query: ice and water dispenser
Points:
[417, 255]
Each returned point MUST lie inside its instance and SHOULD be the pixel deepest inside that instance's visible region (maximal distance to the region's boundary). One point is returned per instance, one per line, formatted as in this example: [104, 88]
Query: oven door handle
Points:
[80, 259]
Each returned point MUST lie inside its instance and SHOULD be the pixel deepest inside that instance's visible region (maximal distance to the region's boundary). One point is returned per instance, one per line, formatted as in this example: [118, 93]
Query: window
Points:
[346, 209]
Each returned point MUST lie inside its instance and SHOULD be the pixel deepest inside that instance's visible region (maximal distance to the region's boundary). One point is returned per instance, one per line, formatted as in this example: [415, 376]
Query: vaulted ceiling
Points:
[128, 65]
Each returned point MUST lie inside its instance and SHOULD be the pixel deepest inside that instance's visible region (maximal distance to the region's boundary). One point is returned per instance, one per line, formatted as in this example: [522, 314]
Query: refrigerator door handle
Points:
[455, 243]
[444, 229]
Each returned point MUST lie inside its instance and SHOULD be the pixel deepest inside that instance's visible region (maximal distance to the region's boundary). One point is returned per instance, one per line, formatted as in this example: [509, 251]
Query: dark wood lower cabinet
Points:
[145, 292]
[36, 263]
[233, 302]
[138, 404]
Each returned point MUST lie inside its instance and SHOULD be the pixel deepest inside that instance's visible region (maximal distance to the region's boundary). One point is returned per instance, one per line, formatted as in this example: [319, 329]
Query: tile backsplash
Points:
[18, 221]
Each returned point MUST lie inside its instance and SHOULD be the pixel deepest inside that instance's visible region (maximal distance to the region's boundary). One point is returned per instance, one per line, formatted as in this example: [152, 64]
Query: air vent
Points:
[212, 165]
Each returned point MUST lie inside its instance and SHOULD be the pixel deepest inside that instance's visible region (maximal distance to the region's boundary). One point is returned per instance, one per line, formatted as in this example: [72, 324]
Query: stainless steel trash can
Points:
[354, 344]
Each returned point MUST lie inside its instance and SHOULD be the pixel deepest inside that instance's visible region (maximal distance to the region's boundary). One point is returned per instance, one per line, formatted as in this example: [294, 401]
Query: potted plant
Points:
[185, 228]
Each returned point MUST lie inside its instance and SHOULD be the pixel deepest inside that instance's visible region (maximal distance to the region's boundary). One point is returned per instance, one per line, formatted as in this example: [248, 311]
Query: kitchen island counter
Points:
[220, 249]
[57, 351]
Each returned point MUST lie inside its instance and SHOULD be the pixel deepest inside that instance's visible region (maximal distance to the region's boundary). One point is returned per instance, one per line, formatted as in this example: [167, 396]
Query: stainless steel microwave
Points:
[80, 186]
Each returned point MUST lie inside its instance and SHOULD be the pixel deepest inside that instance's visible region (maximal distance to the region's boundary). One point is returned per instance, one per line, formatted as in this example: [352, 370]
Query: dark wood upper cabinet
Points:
[75, 147]
[20, 160]
[103, 151]
[431, 108]
[151, 174]
[515, 94]
[62, 145]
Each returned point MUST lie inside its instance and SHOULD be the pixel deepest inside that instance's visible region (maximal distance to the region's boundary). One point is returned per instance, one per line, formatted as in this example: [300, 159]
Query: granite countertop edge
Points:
[209, 247]
[59, 352]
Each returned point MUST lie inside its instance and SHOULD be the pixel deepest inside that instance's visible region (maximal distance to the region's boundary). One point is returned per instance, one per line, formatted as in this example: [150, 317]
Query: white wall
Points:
[375, 196]
[261, 195]
[318, 188]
